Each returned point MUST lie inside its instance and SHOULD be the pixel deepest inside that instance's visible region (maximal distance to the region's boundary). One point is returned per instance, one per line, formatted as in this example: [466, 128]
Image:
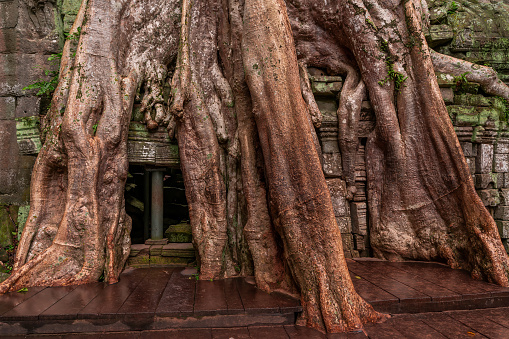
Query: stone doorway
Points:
[161, 232]
[156, 201]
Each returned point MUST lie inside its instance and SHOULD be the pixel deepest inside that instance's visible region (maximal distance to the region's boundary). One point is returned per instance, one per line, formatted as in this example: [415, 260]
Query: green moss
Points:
[8, 217]
[22, 218]
[397, 77]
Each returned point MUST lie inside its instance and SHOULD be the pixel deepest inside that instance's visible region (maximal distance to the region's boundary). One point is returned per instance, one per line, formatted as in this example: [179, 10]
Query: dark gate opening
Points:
[140, 204]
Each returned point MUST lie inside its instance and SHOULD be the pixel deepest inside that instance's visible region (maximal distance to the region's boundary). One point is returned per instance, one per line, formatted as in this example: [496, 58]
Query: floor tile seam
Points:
[22, 301]
[395, 279]
[73, 288]
[78, 312]
[134, 288]
[237, 292]
[380, 287]
[425, 278]
[474, 329]
[158, 299]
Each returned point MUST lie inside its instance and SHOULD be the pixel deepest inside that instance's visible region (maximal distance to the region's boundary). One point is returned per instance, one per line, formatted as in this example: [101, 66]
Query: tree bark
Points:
[243, 112]
[299, 198]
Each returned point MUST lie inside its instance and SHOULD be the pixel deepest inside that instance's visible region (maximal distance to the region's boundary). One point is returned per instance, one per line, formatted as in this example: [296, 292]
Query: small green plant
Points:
[22, 290]
[95, 128]
[506, 109]
[452, 8]
[372, 24]
[397, 77]
[73, 36]
[461, 81]
[47, 87]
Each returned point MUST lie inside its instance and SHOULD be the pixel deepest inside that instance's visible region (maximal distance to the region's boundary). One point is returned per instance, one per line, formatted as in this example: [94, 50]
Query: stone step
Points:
[172, 254]
[143, 299]
[179, 233]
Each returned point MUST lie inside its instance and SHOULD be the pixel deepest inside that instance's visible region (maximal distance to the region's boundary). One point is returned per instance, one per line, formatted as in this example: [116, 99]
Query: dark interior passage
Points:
[175, 210]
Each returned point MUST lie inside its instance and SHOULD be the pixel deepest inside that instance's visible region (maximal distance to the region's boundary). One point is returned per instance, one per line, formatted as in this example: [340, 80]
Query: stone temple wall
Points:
[475, 30]
[481, 124]
[29, 34]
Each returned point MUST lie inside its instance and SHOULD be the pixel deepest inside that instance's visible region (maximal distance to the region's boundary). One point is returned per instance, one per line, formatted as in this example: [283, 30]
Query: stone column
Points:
[146, 205]
[157, 205]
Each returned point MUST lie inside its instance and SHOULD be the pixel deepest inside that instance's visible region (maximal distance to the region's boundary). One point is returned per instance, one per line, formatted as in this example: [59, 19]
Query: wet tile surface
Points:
[143, 295]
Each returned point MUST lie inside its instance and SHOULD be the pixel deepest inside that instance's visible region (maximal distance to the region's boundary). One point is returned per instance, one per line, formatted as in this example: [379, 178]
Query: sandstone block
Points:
[484, 159]
[489, 197]
[8, 41]
[142, 259]
[501, 148]
[9, 16]
[445, 80]
[344, 224]
[463, 115]
[330, 89]
[437, 14]
[21, 70]
[439, 35]
[159, 261]
[156, 250]
[359, 218]
[184, 250]
[330, 146]
[487, 180]
[7, 108]
[504, 196]
[360, 245]
[471, 164]
[347, 239]
[7, 215]
[501, 163]
[137, 248]
[28, 106]
[179, 233]
[472, 100]
[506, 180]
[447, 95]
[337, 189]
[501, 212]
[488, 117]
[9, 157]
[360, 195]
[332, 165]
[469, 149]
[503, 228]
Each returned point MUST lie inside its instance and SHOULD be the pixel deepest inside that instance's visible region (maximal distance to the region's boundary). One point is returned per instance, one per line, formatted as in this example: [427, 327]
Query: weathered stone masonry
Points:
[30, 31]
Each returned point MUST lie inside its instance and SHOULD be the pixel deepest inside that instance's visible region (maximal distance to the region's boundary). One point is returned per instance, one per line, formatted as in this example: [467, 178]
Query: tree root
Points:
[182, 76]
[483, 75]
[348, 113]
[153, 98]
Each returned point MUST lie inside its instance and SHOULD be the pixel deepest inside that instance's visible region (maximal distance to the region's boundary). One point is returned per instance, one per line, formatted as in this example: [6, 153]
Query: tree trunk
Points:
[243, 112]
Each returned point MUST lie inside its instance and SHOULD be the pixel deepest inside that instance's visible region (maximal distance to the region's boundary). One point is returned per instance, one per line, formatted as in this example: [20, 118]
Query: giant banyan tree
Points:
[243, 113]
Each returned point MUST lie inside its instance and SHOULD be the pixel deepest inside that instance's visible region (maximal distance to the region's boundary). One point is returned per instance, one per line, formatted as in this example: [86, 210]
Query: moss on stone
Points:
[8, 217]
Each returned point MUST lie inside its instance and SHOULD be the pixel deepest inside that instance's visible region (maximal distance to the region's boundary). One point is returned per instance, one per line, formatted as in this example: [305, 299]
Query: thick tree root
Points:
[425, 206]
[483, 75]
[298, 194]
[349, 112]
